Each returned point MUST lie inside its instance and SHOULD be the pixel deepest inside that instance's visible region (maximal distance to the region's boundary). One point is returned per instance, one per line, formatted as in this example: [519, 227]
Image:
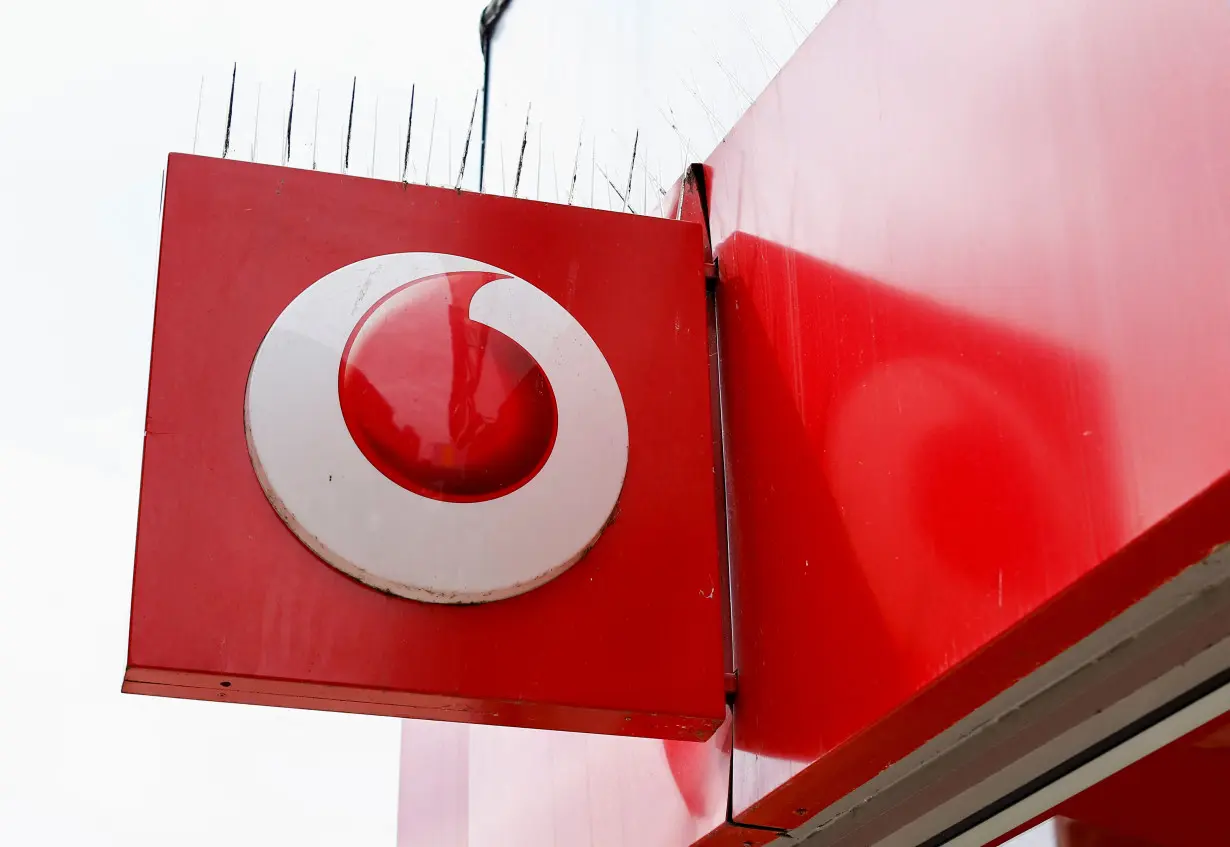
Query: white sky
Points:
[92, 97]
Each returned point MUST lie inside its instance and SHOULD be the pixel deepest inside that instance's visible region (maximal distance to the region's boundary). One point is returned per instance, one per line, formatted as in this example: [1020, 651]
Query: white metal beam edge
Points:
[1151, 740]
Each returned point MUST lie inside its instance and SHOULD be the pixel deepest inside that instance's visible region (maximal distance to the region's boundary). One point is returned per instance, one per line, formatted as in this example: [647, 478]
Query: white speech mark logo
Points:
[437, 428]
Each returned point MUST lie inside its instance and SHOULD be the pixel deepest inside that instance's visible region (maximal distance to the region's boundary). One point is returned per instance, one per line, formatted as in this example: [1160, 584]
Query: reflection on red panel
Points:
[486, 436]
[903, 471]
[973, 304]
[476, 786]
[433, 798]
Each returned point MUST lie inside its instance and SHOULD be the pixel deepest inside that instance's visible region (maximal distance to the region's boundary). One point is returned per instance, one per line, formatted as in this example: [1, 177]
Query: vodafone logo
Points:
[437, 428]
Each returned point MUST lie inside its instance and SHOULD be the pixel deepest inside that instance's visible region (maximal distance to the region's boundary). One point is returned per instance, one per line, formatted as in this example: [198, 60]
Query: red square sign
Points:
[423, 453]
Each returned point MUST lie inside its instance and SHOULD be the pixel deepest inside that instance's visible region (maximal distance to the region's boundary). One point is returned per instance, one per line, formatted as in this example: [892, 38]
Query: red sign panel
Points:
[424, 453]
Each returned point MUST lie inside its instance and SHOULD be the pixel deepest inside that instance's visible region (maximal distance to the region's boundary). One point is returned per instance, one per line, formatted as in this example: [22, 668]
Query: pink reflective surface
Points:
[476, 786]
[973, 308]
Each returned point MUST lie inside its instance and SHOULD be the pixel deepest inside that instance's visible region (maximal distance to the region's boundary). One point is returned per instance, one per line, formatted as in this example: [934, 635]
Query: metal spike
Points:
[466, 150]
[316, 131]
[734, 82]
[256, 124]
[612, 187]
[684, 145]
[230, 112]
[354, 86]
[576, 160]
[525, 136]
[405, 159]
[431, 141]
[730, 77]
[196, 128]
[371, 171]
[759, 47]
[631, 169]
[792, 21]
[656, 179]
[644, 186]
[715, 125]
[290, 115]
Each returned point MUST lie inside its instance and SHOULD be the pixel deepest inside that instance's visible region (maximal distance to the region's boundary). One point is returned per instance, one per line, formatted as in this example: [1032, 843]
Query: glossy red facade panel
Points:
[229, 605]
[973, 298]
